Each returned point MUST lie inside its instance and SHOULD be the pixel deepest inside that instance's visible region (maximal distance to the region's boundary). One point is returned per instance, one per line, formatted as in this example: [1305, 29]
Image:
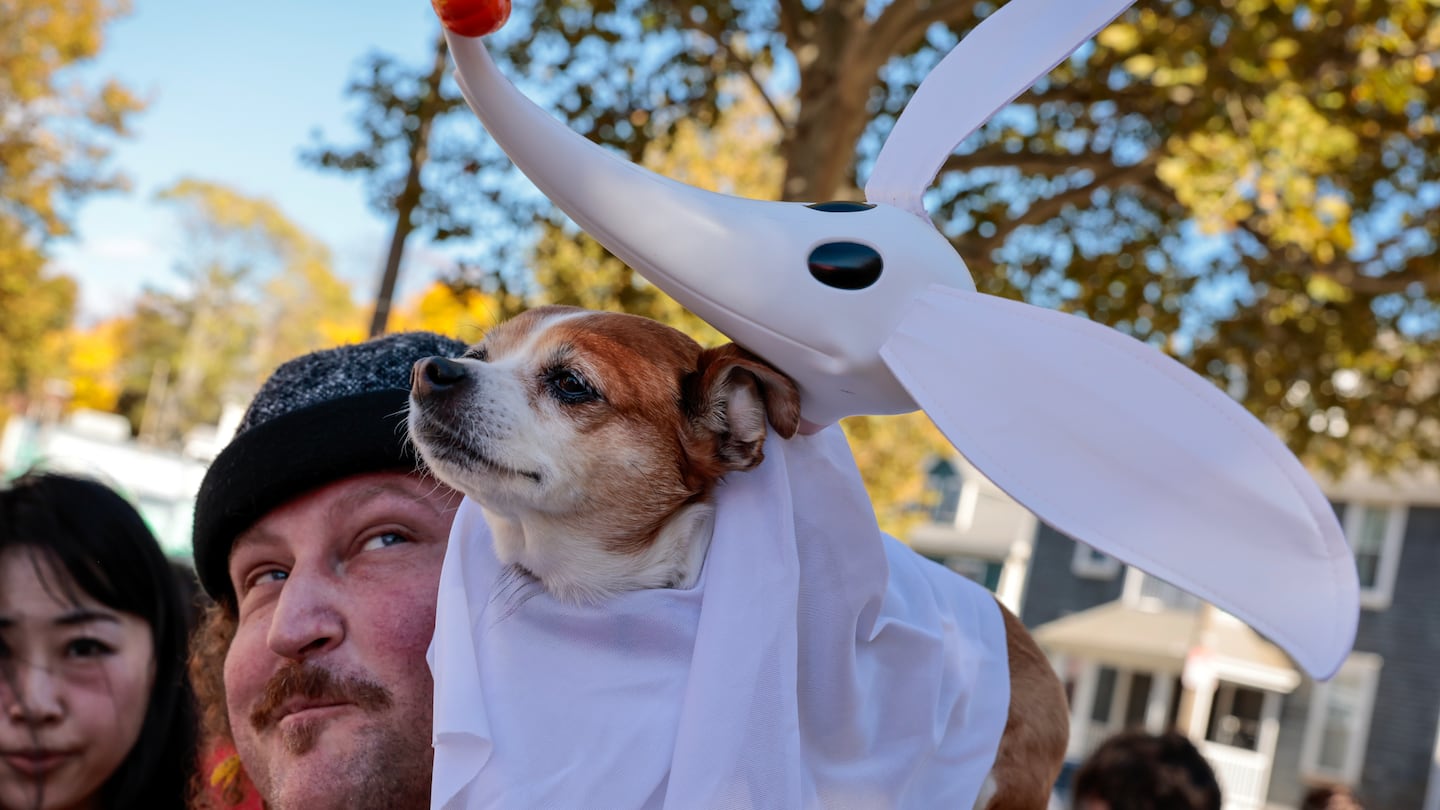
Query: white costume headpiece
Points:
[870, 310]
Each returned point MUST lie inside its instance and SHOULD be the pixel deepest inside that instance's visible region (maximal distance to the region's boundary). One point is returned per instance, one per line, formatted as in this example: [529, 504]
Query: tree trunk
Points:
[834, 88]
[409, 197]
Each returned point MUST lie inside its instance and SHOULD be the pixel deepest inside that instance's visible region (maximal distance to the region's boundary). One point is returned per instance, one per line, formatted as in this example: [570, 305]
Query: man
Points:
[321, 543]
[1136, 770]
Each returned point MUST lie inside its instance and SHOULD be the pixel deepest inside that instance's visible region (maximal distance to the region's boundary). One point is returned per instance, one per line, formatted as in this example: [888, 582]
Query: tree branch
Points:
[995, 156]
[742, 64]
[791, 13]
[902, 25]
[1048, 208]
[1348, 274]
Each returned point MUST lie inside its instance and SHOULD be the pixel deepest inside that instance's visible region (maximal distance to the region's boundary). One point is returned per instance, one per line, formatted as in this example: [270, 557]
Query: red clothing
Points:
[224, 783]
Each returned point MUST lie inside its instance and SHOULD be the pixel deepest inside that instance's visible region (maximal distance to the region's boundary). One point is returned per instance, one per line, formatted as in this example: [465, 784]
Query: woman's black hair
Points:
[88, 531]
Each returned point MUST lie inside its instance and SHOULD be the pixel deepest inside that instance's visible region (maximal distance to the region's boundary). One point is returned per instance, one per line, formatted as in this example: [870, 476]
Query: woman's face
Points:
[75, 678]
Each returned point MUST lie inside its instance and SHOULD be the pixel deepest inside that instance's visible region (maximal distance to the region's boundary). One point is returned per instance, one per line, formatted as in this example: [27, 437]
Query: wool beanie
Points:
[321, 417]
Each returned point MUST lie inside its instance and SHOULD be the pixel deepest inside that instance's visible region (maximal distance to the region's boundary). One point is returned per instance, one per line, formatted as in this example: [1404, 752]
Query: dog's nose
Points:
[434, 374]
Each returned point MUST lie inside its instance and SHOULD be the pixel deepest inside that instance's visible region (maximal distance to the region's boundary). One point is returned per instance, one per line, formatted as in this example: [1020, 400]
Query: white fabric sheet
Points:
[817, 664]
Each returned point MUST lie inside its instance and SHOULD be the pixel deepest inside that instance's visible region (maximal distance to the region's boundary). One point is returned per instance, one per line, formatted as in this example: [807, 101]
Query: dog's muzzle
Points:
[435, 376]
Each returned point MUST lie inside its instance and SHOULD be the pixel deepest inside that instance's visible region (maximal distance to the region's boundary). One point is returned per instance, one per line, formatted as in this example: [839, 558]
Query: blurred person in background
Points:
[1331, 797]
[96, 710]
[1136, 770]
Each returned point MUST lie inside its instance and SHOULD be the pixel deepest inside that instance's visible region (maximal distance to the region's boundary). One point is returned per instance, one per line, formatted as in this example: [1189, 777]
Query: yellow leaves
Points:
[1141, 66]
[94, 358]
[1325, 289]
[47, 122]
[1267, 175]
[1424, 69]
[1119, 37]
[1278, 53]
[1202, 170]
[465, 314]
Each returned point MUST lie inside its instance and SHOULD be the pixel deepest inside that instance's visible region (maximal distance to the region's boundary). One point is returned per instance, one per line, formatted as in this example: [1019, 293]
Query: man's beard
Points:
[385, 770]
[388, 765]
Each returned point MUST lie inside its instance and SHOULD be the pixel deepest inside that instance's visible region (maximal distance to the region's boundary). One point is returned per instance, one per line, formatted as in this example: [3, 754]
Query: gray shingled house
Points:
[1136, 652]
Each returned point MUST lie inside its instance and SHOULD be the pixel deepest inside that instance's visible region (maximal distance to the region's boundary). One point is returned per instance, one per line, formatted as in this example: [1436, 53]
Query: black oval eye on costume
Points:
[846, 265]
[840, 206]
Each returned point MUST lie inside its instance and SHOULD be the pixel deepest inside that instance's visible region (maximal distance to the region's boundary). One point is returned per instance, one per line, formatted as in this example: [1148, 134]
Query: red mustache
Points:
[315, 684]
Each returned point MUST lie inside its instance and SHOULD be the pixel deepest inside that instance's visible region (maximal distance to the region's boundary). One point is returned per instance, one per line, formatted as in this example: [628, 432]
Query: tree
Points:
[464, 312]
[400, 107]
[96, 361]
[54, 136]
[258, 291]
[1248, 184]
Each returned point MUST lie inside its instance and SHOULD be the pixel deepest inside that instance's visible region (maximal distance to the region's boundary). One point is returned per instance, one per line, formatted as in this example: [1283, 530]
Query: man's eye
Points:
[384, 540]
[266, 576]
[88, 648]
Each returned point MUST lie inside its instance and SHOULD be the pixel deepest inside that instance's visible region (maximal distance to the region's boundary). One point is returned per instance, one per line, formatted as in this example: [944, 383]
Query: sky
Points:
[235, 91]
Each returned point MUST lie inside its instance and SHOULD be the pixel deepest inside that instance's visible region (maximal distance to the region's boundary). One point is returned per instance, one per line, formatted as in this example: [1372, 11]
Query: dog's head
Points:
[614, 420]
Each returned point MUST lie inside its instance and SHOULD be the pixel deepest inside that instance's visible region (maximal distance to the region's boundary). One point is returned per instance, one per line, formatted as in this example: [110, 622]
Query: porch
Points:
[1130, 663]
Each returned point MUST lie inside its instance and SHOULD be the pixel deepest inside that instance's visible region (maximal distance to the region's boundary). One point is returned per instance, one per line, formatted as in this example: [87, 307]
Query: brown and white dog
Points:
[593, 442]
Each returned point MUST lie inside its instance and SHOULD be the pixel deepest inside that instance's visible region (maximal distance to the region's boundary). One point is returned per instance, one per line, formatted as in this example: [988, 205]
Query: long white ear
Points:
[999, 60]
[1123, 448]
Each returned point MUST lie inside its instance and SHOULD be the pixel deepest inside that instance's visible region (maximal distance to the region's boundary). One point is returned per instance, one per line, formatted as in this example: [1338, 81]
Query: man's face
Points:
[327, 688]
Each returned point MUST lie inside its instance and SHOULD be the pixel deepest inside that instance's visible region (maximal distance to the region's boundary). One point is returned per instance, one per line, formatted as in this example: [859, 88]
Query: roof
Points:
[1117, 634]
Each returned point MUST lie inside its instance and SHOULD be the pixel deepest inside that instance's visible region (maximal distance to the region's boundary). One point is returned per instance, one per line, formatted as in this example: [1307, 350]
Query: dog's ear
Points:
[730, 396]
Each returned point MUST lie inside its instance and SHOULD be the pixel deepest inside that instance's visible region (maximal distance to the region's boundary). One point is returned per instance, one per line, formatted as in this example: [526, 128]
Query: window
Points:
[982, 572]
[1375, 532]
[1235, 716]
[945, 482]
[1104, 700]
[1338, 724]
[1092, 564]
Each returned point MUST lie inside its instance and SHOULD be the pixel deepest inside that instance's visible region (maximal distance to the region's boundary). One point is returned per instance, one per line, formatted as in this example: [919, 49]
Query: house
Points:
[1134, 651]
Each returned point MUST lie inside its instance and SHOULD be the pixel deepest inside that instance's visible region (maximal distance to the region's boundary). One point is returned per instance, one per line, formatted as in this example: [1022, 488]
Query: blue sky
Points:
[235, 91]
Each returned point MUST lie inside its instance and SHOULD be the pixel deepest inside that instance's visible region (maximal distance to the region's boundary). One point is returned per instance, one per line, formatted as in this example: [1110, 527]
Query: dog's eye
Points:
[476, 353]
[570, 388]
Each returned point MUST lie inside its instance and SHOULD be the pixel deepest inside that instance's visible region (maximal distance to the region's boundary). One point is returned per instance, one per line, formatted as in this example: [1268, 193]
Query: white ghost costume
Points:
[817, 663]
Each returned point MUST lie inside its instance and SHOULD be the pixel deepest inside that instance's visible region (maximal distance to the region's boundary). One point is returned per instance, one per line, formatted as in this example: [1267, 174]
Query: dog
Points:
[593, 442]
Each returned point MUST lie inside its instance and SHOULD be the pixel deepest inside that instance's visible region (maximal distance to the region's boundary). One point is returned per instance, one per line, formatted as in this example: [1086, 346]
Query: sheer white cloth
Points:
[817, 664]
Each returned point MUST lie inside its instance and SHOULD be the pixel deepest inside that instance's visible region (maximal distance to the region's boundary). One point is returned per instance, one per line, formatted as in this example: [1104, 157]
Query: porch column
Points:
[1080, 707]
[1010, 590]
[1195, 701]
[1198, 679]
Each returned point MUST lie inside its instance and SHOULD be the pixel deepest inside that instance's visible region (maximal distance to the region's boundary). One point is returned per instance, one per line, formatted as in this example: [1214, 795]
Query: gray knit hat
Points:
[321, 417]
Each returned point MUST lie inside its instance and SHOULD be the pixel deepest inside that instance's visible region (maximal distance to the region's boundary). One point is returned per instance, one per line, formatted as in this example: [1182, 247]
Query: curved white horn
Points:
[1000, 59]
[745, 266]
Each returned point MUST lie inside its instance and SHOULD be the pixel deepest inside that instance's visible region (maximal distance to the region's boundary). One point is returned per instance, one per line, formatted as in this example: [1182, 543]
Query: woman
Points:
[97, 710]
